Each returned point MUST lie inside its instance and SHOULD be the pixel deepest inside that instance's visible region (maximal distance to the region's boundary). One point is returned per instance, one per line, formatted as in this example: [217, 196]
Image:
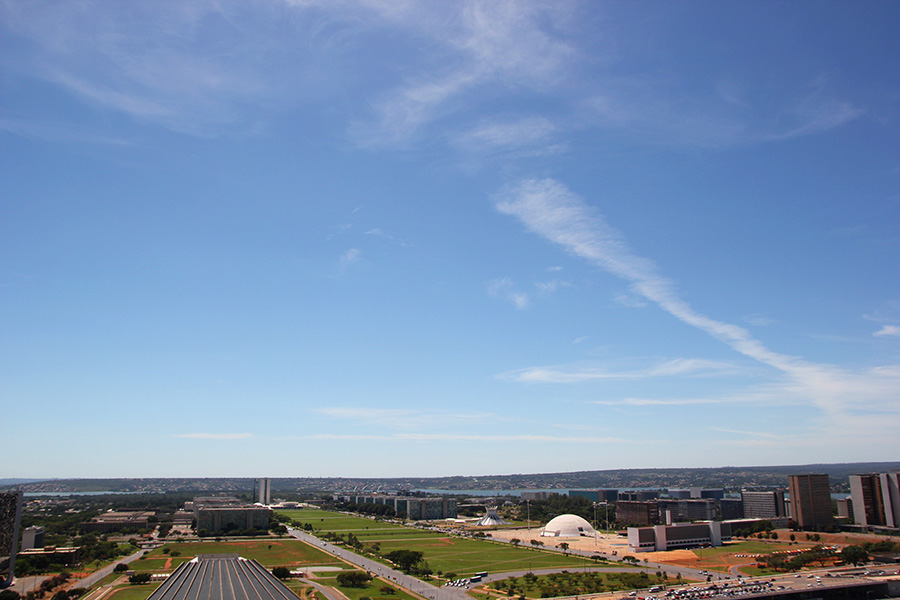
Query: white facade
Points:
[264, 491]
[568, 526]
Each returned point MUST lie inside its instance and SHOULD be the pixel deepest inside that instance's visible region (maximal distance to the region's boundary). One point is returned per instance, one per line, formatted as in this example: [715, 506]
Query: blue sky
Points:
[399, 238]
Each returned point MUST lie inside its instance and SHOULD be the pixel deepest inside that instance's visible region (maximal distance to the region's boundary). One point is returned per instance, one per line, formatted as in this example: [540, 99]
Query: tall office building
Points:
[33, 537]
[876, 499]
[890, 490]
[10, 518]
[264, 491]
[811, 500]
[763, 505]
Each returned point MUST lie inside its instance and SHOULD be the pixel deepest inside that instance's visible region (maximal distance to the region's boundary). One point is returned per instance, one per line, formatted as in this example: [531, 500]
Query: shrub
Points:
[139, 578]
[353, 579]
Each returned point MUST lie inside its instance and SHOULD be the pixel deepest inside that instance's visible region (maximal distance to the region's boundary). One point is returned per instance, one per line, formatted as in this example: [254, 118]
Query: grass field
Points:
[133, 592]
[158, 564]
[723, 558]
[269, 552]
[571, 584]
[463, 556]
[373, 590]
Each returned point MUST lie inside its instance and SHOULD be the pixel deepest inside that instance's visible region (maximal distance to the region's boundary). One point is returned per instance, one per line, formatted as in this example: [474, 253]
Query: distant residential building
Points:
[876, 499]
[675, 511]
[811, 500]
[637, 496]
[415, 508]
[714, 493]
[731, 508]
[700, 509]
[537, 495]
[109, 522]
[33, 537]
[637, 513]
[215, 519]
[429, 509]
[602, 495]
[67, 555]
[764, 505]
[844, 508]
[679, 494]
[227, 513]
[679, 535]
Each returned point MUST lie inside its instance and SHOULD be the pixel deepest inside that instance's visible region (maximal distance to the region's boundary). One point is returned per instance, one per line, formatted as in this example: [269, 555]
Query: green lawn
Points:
[157, 563]
[134, 592]
[463, 556]
[372, 590]
[575, 583]
[270, 552]
[749, 548]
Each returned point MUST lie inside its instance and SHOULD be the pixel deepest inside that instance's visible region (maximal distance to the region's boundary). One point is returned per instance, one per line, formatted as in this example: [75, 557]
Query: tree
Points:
[564, 547]
[405, 559]
[793, 537]
[120, 567]
[281, 572]
[855, 555]
[139, 578]
[353, 579]
[515, 542]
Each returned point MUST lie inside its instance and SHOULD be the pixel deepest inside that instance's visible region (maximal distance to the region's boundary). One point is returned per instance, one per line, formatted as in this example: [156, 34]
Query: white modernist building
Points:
[679, 535]
[568, 526]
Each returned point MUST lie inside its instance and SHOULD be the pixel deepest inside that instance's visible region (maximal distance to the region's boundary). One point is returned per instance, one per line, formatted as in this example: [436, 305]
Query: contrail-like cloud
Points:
[550, 209]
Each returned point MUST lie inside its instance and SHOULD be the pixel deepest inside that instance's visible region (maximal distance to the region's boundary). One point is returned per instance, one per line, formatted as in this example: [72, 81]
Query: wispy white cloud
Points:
[499, 134]
[650, 111]
[549, 209]
[454, 437]
[757, 434]
[548, 287]
[58, 132]
[349, 258]
[404, 418]
[888, 330]
[656, 401]
[375, 232]
[483, 47]
[214, 436]
[220, 68]
[671, 368]
[505, 288]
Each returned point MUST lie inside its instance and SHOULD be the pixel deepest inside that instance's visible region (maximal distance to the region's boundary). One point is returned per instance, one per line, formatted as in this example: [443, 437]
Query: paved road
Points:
[417, 586]
[99, 574]
[328, 592]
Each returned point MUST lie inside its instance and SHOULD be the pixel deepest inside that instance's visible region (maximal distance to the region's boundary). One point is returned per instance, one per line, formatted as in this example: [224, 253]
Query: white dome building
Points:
[568, 526]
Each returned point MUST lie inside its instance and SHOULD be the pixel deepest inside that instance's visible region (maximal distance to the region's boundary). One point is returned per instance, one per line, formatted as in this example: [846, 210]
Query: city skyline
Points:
[400, 239]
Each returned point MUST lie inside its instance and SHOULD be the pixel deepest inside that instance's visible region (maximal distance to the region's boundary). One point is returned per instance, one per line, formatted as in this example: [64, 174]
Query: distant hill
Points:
[13, 481]
[733, 478]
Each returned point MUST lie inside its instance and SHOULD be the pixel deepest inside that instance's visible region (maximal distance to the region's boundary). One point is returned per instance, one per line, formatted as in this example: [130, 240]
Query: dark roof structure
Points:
[222, 577]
